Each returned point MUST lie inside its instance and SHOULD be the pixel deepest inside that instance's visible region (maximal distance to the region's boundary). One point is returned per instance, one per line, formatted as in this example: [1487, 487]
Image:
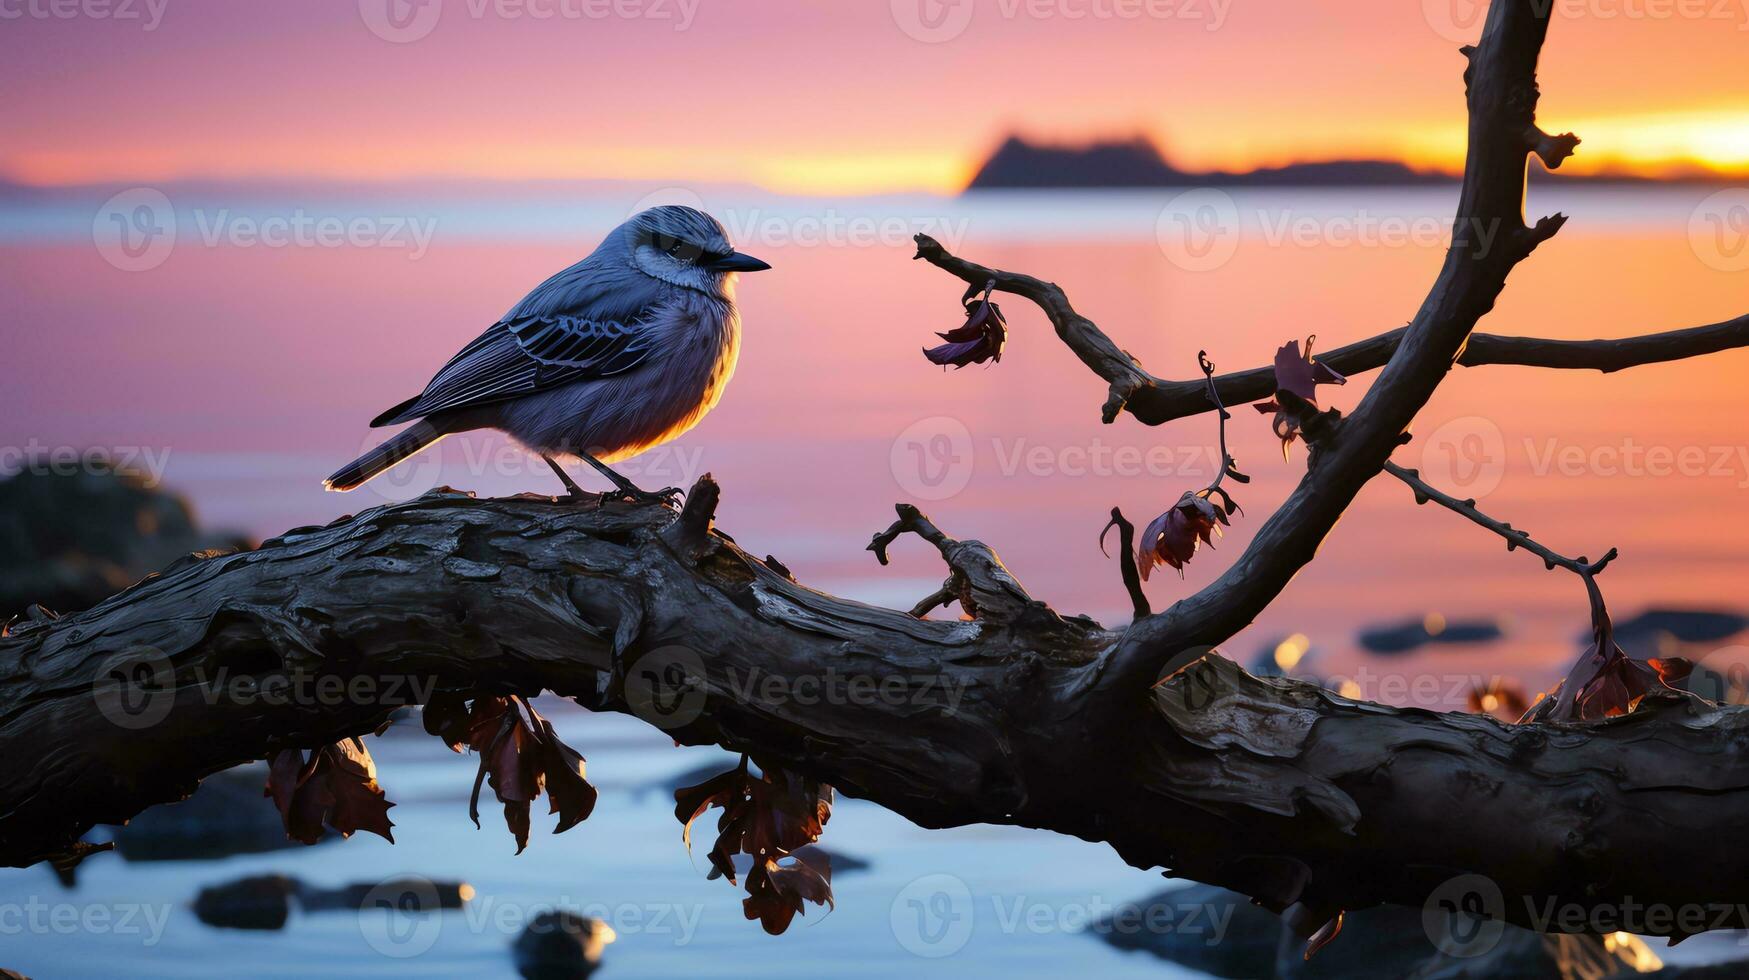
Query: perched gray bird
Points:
[626, 349]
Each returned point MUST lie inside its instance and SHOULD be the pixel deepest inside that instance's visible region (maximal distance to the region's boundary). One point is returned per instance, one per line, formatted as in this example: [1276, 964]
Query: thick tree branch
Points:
[1489, 238]
[1273, 787]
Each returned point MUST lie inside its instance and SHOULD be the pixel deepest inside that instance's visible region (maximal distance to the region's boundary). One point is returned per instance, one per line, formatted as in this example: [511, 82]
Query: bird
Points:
[625, 350]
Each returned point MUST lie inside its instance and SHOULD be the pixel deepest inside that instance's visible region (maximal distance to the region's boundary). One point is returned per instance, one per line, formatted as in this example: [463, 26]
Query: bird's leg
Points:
[627, 488]
[576, 492]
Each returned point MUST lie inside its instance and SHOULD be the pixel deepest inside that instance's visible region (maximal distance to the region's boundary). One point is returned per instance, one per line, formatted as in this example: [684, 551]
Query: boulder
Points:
[226, 815]
[560, 945]
[73, 534]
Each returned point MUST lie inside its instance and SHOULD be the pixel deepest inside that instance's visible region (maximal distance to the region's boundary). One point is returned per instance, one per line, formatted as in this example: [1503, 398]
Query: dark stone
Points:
[72, 535]
[560, 945]
[226, 815]
[411, 895]
[1219, 932]
[262, 902]
[1653, 632]
[1409, 636]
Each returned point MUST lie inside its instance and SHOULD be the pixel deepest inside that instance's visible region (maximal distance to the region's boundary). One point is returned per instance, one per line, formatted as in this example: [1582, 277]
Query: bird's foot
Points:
[667, 496]
[580, 496]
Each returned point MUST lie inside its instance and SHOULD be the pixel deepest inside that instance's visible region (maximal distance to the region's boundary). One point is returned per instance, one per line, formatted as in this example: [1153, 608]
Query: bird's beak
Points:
[737, 262]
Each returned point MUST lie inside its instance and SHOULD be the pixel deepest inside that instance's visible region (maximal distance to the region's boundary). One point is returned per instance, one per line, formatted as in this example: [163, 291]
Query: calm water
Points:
[247, 371]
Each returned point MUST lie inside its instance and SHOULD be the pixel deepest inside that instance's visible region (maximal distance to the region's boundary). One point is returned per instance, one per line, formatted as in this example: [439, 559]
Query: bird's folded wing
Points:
[529, 354]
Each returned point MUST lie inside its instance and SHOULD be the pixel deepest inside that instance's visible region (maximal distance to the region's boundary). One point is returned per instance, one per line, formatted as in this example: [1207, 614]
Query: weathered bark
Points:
[1272, 787]
[1139, 737]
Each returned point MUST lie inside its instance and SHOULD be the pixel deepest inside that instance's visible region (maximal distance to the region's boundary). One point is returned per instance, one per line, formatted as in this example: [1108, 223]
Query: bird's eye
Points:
[676, 248]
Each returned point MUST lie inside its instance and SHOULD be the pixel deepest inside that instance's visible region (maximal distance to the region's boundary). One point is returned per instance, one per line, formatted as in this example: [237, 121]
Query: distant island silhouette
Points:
[1020, 165]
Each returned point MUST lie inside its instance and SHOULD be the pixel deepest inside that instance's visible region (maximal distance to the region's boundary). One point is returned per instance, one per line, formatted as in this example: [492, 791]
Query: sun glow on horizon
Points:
[1649, 145]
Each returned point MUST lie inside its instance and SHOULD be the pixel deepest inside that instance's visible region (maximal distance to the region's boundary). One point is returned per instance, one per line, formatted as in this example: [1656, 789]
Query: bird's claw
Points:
[667, 496]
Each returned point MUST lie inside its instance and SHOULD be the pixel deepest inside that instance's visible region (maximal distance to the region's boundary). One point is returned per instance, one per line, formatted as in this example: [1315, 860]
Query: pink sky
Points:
[829, 96]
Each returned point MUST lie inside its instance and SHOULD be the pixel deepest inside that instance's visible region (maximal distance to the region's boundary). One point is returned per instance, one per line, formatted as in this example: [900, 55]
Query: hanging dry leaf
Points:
[1172, 538]
[335, 788]
[979, 339]
[1299, 373]
[1605, 681]
[771, 817]
[521, 757]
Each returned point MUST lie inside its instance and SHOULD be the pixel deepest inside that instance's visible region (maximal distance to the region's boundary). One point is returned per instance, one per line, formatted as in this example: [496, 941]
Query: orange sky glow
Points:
[832, 97]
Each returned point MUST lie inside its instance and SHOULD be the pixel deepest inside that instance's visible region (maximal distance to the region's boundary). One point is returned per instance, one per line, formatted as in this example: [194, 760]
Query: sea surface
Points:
[241, 363]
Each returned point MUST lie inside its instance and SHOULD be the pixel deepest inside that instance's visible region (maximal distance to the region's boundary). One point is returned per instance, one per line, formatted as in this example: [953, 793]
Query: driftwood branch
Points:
[1515, 537]
[1273, 787]
[1154, 401]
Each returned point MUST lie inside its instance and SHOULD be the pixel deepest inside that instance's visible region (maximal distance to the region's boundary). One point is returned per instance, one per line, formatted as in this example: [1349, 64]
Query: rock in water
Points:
[74, 534]
[262, 902]
[1219, 932]
[226, 815]
[561, 945]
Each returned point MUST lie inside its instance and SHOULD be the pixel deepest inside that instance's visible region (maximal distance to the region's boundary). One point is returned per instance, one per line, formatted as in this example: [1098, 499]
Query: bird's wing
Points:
[586, 322]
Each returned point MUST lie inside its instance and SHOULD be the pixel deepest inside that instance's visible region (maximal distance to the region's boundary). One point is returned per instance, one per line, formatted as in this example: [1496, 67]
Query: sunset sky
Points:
[832, 96]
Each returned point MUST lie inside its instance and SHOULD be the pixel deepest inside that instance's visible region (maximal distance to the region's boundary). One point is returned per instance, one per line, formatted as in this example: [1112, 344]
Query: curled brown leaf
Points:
[1173, 537]
[771, 817]
[335, 788]
[979, 339]
[521, 757]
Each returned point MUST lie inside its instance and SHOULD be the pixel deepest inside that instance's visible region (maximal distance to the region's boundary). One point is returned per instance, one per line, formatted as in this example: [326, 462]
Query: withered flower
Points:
[1296, 372]
[1172, 538]
[978, 340]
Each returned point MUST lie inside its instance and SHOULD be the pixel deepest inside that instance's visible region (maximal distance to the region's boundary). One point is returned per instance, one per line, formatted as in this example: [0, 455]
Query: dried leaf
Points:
[772, 817]
[1299, 373]
[1172, 538]
[979, 339]
[1605, 681]
[446, 716]
[777, 890]
[335, 787]
[521, 757]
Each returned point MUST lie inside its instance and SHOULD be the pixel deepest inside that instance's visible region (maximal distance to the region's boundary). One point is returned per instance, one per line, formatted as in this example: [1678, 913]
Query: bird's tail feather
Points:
[402, 445]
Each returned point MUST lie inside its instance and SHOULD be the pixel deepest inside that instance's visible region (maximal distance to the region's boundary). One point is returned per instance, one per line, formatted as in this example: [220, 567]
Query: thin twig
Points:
[1515, 538]
[1132, 576]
